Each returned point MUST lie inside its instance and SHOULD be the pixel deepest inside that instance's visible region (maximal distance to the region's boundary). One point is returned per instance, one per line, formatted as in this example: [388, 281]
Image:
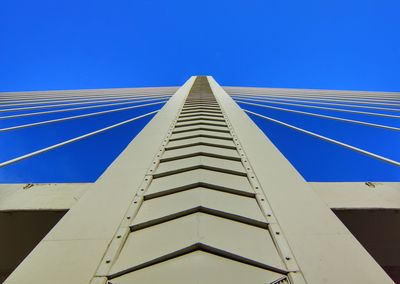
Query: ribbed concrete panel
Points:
[205, 150]
[201, 122]
[200, 177]
[200, 114]
[200, 267]
[200, 117]
[199, 207]
[201, 126]
[187, 110]
[204, 162]
[200, 133]
[229, 237]
[205, 141]
[232, 206]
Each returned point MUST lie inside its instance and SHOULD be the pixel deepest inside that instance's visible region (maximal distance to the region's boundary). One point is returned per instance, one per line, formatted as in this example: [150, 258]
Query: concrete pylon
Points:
[199, 196]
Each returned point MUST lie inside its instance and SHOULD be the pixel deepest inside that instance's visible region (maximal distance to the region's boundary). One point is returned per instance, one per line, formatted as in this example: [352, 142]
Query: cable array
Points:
[305, 103]
[69, 141]
[36, 105]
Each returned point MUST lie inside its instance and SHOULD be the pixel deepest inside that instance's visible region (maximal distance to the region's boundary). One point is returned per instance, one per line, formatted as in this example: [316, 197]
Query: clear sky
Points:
[78, 44]
[73, 44]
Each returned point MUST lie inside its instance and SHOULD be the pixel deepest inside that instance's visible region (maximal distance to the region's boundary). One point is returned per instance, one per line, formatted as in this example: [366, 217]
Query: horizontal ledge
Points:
[26, 197]
[179, 125]
[196, 167]
[200, 113]
[200, 107]
[200, 117]
[200, 209]
[358, 195]
[196, 185]
[195, 154]
[201, 135]
[201, 128]
[205, 248]
[200, 144]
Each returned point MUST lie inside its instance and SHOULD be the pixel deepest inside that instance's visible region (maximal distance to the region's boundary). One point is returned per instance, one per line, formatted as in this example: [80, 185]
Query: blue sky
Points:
[47, 45]
[303, 44]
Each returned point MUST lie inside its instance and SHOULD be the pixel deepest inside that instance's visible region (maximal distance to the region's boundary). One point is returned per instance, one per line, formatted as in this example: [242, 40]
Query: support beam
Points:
[336, 195]
[20, 197]
[358, 195]
[324, 249]
[200, 196]
[72, 251]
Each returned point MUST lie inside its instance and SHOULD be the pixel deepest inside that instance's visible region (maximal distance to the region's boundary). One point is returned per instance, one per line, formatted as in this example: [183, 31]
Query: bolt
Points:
[370, 184]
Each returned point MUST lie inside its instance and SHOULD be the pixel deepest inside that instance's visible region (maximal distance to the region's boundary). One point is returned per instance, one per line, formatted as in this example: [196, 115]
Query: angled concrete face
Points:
[198, 177]
[200, 267]
[200, 162]
[325, 250]
[200, 201]
[200, 196]
[202, 229]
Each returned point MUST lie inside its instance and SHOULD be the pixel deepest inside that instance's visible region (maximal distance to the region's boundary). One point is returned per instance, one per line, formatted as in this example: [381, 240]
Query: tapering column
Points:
[200, 196]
